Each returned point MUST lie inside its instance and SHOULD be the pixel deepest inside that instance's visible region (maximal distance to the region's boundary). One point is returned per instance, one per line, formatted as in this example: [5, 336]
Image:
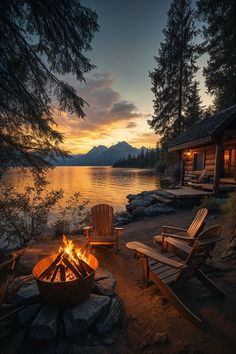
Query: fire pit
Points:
[66, 279]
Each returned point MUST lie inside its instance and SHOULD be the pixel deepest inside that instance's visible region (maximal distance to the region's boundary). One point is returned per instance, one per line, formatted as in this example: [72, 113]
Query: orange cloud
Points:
[109, 118]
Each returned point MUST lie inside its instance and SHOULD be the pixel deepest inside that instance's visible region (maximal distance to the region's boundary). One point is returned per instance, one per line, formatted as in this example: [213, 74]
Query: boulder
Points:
[104, 282]
[29, 258]
[158, 209]
[27, 314]
[107, 322]
[28, 293]
[16, 284]
[81, 317]
[14, 345]
[140, 212]
[44, 325]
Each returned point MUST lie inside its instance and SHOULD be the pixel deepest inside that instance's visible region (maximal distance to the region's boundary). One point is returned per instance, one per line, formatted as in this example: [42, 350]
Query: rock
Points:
[81, 317]
[160, 209]
[6, 308]
[104, 282]
[131, 196]
[107, 322]
[29, 258]
[64, 347]
[44, 325]
[14, 345]
[16, 284]
[140, 212]
[27, 314]
[89, 350]
[7, 326]
[28, 293]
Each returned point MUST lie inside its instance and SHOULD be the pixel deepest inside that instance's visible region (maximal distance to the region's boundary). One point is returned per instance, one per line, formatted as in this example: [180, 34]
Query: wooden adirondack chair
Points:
[170, 271]
[102, 231]
[189, 235]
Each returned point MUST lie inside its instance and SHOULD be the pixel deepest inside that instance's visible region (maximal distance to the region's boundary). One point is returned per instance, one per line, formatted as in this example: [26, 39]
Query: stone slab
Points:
[104, 282]
[108, 320]
[45, 324]
[81, 317]
[28, 293]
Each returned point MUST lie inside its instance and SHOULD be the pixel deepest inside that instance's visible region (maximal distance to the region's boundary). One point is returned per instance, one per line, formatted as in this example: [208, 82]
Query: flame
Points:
[72, 251]
[69, 248]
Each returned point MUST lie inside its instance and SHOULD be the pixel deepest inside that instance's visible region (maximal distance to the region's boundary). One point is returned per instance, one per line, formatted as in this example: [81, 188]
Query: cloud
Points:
[131, 125]
[107, 112]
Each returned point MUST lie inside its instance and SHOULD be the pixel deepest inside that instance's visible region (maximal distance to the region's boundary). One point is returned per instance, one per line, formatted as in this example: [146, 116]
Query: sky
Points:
[118, 91]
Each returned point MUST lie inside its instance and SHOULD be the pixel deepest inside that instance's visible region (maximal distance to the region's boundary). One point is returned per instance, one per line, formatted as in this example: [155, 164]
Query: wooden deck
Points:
[188, 192]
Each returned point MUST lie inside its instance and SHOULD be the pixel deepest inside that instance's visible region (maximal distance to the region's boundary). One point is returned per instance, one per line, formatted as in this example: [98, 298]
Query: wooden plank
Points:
[178, 244]
[148, 251]
[166, 273]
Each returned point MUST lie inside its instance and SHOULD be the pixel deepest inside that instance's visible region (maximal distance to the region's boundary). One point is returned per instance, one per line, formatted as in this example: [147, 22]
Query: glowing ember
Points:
[70, 263]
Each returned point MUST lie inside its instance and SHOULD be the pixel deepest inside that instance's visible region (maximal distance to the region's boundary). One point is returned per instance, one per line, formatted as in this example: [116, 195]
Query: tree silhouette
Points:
[220, 44]
[39, 42]
[173, 78]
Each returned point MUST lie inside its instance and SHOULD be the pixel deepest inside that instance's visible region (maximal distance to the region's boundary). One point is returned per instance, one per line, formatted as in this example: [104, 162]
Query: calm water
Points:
[96, 184]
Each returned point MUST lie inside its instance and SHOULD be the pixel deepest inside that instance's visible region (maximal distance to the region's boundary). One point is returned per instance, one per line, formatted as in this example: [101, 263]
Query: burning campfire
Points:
[70, 263]
[66, 279]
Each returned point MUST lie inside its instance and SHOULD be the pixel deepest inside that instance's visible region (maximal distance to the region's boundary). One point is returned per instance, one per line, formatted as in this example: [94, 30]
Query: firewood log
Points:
[62, 272]
[55, 273]
[71, 267]
[47, 272]
[79, 265]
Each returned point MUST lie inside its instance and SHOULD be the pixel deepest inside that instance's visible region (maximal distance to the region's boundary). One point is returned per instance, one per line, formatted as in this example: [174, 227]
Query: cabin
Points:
[209, 148]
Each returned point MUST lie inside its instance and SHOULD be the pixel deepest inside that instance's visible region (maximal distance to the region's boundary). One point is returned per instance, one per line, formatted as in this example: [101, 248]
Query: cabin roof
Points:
[205, 131]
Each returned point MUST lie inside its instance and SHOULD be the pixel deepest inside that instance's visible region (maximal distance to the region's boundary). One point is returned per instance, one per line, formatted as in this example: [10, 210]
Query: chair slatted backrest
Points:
[200, 251]
[198, 223]
[102, 218]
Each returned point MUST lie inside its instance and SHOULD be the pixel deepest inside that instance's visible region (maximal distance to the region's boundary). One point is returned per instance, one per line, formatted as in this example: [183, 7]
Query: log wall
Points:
[209, 156]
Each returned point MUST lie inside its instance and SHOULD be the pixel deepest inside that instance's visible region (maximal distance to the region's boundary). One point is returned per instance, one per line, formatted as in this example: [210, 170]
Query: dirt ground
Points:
[146, 313]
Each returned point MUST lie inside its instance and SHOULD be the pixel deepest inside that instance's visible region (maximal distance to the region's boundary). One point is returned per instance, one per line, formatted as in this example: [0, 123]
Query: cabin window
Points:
[198, 161]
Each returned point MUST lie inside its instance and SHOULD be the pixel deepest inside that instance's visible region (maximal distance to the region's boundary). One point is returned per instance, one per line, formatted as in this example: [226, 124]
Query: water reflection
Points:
[96, 184]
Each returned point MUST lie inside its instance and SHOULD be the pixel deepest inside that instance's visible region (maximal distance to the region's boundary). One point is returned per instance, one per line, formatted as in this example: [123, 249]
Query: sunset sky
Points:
[119, 89]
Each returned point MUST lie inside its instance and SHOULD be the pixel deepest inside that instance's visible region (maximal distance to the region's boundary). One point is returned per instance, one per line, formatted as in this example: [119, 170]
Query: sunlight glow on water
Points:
[96, 184]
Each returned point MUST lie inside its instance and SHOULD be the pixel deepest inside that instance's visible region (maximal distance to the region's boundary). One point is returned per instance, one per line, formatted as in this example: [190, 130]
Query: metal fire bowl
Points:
[64, 293]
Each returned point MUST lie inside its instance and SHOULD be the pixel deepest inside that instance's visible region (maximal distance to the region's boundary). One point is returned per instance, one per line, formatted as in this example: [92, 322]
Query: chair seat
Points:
[103, 240]
[165, 273]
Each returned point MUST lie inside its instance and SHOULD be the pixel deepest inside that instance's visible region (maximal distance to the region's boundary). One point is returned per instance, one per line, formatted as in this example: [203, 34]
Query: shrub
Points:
[211, 203]
[25, 215]
[229, 209]
[72, 216]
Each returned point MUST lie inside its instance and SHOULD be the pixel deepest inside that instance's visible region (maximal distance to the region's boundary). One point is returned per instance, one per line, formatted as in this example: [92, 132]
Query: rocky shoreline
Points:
[146, 203]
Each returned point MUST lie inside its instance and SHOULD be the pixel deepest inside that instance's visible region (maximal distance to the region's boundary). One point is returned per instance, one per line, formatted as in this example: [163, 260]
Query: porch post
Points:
[218, 166]
[182, 167]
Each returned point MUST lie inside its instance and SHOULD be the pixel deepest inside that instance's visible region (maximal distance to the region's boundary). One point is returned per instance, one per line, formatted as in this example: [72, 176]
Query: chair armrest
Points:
[118, 231]
[152, 253]
[182, 246]
[186, 238]
[173, 228]
[87, 230]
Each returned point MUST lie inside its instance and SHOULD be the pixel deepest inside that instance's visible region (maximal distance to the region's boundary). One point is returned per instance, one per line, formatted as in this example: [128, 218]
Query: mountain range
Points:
[100, 155]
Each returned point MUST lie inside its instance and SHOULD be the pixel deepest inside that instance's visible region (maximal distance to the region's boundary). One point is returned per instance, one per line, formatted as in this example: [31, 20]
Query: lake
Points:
[96, 184]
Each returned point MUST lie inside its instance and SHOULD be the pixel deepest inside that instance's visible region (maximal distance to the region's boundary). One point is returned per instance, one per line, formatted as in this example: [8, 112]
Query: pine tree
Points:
[174, 75]
[220, 45]
[40, 40]
[193, 106]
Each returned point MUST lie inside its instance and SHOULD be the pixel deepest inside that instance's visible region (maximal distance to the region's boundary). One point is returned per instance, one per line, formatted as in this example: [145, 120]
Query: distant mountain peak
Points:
[103, 156]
